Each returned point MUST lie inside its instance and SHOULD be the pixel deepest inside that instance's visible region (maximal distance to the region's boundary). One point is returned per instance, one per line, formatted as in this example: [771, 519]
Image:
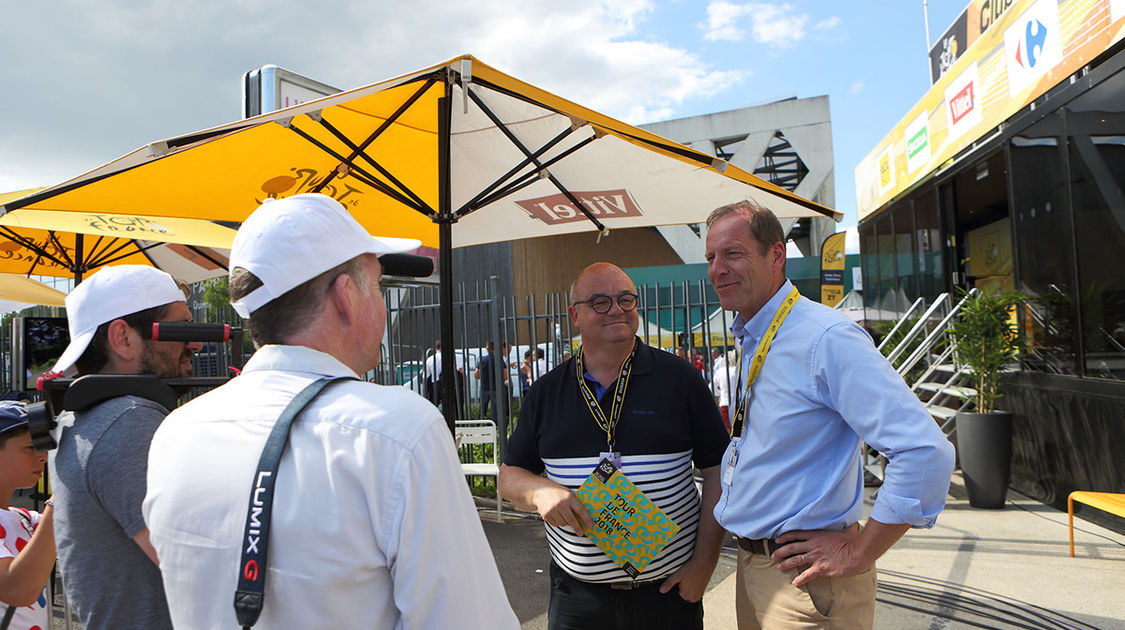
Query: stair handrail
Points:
[935, 365]
[941, 329]
[940, 302]
[920, 302]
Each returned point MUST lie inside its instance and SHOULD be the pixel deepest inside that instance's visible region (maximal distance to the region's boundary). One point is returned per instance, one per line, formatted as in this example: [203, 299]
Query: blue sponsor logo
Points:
[1034, 39]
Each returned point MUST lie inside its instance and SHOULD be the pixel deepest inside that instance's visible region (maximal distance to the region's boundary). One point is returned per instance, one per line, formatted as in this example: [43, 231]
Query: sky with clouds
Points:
[84, 82]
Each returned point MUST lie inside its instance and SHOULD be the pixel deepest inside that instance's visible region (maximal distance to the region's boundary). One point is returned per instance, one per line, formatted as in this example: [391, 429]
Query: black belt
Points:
[760, 546]
[629, 585]
[624, 585]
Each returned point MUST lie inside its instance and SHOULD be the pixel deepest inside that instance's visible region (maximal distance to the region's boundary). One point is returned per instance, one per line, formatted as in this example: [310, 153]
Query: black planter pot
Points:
[984, 445]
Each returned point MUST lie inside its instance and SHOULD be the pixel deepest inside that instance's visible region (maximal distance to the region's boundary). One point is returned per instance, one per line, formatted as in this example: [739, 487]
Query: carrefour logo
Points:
[1032, 47]
[1031, 44]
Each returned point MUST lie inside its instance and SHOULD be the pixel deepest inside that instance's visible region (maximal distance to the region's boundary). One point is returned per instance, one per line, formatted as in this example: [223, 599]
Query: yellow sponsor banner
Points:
[832, 269]
[1022, 48]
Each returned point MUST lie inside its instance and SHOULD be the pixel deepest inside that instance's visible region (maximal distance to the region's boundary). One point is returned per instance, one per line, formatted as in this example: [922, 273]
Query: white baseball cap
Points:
[109, 294]
[287, 242]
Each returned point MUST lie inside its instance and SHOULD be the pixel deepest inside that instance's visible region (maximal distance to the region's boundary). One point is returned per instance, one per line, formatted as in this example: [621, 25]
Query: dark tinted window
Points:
[1095, 125]
[1045, 253]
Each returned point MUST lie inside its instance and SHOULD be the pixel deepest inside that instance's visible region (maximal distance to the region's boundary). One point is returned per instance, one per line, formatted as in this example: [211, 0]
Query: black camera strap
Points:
[250, 593]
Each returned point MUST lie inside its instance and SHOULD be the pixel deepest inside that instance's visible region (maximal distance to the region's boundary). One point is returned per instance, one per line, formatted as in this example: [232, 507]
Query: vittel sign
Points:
[963, 102]
[603, 204]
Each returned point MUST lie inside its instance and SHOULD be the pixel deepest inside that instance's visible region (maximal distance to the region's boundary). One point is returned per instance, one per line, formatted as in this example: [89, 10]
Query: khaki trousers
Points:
[766, 599]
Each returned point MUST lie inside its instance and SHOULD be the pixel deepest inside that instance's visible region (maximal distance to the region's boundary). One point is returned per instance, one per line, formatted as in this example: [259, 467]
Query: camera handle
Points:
[95, 388]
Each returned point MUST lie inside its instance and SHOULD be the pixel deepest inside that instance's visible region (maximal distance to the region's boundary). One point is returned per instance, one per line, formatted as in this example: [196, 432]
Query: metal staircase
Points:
[923, 355]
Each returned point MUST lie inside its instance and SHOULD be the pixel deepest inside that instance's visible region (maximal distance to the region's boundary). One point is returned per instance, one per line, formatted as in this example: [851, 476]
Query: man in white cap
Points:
[371, 525]
[98, 472]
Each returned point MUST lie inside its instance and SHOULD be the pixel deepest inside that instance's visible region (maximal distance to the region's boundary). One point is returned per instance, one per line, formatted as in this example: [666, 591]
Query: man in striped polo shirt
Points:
[664, 421]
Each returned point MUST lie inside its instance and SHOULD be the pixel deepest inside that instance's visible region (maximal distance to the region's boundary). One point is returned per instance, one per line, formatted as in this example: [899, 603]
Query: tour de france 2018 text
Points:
[607, 519]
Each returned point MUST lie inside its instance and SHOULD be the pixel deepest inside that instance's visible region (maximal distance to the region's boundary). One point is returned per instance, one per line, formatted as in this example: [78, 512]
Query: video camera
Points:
[65, 394]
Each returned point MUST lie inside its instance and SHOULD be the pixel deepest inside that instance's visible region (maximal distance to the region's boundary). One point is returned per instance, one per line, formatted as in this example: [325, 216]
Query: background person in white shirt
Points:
[431, 375]
[724, 380]
[541, 365]
[372, 524]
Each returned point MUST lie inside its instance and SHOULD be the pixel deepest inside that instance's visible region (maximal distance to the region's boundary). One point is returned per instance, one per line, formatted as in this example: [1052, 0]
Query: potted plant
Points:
[985, 342]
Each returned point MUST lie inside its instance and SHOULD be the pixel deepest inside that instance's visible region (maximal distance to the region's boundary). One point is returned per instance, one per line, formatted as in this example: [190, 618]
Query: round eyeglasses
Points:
[601, 303]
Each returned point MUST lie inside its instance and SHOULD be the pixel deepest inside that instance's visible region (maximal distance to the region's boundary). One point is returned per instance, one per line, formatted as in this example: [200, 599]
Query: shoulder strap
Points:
[250, 592]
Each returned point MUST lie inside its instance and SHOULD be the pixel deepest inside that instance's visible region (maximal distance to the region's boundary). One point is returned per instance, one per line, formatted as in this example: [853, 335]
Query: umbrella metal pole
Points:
[445, 220]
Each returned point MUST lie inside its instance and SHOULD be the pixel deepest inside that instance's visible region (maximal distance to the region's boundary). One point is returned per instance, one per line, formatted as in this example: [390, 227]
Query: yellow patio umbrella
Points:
[455, 154]
[73, 244]
[17, 288]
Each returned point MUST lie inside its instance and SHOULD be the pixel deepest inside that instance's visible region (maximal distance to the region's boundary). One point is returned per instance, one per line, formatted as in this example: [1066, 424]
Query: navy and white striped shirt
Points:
[669, 422]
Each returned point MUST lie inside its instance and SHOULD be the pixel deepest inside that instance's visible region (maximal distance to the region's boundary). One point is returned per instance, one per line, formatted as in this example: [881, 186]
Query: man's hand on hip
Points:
[835, 553]
[820, 553]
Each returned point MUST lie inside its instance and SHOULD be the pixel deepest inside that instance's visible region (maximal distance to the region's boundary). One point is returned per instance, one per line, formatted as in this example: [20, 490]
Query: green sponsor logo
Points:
[917, 142]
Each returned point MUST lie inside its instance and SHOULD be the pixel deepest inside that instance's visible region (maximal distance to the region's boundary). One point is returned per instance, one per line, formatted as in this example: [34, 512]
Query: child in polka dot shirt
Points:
[27, 538]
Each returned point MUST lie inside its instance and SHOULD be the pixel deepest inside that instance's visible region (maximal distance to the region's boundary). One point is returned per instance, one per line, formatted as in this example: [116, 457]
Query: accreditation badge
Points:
[612, 456]
[731, 460]
[628, 526]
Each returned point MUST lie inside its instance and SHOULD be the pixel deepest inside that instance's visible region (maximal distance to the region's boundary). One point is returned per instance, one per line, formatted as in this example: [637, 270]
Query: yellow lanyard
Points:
[609, 425]
[737, 427]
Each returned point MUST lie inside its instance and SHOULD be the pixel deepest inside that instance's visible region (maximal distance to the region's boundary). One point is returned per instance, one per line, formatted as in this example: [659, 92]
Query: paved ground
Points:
[1005, 568]
[977, 568]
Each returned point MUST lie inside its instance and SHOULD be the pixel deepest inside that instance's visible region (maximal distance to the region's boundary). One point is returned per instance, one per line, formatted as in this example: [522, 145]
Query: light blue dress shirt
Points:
[823, 390]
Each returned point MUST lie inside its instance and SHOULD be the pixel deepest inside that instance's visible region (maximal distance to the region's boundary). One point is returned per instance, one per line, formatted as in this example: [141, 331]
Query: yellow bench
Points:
[1108, 501]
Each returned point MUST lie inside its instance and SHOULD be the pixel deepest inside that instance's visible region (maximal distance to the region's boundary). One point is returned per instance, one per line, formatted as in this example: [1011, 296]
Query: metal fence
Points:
[683, 314]
[673, 315]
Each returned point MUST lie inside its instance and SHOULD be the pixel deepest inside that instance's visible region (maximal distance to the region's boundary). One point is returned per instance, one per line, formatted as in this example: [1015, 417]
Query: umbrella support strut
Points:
[470, 204]
[357, 173]
[514, 140]
[526, 180]
[360, 150]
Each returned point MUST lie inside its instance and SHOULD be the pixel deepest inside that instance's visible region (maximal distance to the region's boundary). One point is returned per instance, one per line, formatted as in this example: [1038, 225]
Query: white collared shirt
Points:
[373, 526]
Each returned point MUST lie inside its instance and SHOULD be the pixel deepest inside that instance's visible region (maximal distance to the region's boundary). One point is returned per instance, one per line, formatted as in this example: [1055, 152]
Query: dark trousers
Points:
[432, 391]
[487, 403]
[578, 605]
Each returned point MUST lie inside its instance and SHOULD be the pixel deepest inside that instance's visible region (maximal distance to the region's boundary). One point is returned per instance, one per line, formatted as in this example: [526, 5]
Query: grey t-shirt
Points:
[98, 479]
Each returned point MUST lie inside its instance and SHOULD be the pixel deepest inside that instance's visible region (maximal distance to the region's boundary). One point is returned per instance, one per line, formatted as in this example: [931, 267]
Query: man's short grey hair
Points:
[764, 226]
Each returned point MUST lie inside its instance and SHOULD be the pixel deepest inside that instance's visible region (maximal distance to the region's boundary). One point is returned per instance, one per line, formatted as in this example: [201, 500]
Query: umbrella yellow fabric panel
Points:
[19, 259]
[227, 178]
[12, 196]
[17, 288]
[162, 229]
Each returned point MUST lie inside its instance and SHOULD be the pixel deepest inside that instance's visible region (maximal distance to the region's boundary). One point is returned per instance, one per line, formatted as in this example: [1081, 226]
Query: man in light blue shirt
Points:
[792, 480]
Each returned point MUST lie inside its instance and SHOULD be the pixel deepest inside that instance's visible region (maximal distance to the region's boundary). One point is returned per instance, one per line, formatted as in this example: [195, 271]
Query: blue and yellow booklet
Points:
[628, 526]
